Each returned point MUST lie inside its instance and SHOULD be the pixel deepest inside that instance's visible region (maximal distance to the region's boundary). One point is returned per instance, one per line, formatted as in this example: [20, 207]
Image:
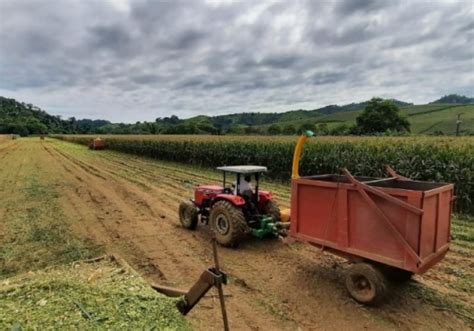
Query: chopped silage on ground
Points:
[99, 295]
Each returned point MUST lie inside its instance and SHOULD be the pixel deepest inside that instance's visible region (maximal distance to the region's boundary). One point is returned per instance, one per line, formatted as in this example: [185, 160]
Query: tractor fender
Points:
[263, 197]
[234, 199]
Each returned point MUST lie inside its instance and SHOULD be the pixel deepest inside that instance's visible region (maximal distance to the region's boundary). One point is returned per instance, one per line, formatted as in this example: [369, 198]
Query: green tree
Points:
[379, 116]
[206, 127]
[252, 130]
[274, 129]
[289, 129]
[340, 130]
[306, 126]
[322, 129]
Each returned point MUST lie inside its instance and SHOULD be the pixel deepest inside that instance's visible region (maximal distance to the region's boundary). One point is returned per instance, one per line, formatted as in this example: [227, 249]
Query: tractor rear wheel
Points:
[188, 215]
[271, 208]
[228, 223]
[366, 283]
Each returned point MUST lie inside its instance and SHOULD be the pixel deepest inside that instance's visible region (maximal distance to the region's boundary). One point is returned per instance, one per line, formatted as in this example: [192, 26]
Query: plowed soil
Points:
[129, 206]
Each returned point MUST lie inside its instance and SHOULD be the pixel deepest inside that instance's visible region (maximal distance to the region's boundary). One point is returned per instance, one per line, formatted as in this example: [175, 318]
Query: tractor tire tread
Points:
[188, 206]
[238, 225]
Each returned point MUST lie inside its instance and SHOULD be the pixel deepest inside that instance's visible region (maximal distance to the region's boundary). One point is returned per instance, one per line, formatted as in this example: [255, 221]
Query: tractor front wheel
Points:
[188, 215]
[228, 223]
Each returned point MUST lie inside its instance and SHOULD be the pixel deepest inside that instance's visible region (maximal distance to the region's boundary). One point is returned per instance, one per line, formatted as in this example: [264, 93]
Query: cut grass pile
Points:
[97, 296]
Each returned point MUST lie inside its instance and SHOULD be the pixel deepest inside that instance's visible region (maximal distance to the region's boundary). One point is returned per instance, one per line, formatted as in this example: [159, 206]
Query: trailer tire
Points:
[188, 215]
[271, 208]
[366, 283]
[228, 223]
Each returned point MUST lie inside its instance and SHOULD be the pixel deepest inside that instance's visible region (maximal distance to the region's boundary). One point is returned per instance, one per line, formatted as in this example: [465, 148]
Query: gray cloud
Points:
[138, 60]
[146, 79]
[327, 77]
[112, 37]
[365, 6]
[281, 61]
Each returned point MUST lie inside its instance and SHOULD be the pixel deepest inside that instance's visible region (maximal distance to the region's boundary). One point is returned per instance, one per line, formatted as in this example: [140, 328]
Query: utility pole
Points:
[458, 124]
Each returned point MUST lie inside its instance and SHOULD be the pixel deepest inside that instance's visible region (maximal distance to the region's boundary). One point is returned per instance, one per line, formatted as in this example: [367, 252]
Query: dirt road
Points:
[129, 205]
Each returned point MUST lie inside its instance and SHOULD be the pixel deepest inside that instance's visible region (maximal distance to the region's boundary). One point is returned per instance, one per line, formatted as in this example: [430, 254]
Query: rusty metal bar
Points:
[168, 291]
[206, 281]
[384, 195]
[393, 173]
[361, 189]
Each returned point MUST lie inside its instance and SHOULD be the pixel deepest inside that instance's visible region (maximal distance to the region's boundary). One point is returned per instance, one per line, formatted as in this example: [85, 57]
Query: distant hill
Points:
[354, 106]
[24, 119]
[224, 122]
[20, 118]
[454, 98]
[87, 125]
[434, 118]
[424, 119]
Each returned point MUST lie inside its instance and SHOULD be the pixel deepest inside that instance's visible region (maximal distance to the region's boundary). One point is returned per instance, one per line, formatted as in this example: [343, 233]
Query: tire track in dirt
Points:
[177, 262]
[171, 196]
[150, 167]
[180, 265]
[8, 184]
[161, 179]
[6, 150]
[102, 219]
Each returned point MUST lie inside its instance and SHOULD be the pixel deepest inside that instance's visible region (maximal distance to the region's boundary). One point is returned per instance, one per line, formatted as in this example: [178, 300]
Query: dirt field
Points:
[128, 205]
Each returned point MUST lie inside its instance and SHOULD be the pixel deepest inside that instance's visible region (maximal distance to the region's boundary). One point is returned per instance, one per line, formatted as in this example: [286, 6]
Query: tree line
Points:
[378, 116]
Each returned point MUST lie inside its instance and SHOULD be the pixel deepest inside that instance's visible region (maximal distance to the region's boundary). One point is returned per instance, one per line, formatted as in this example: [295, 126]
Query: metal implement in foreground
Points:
[232, 211]
[208, 279]
[390, 228]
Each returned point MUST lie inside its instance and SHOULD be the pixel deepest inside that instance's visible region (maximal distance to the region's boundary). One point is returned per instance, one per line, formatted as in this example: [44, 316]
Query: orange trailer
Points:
[390, 227]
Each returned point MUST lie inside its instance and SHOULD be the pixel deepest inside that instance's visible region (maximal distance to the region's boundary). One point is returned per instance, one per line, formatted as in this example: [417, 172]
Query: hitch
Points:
[268, 227]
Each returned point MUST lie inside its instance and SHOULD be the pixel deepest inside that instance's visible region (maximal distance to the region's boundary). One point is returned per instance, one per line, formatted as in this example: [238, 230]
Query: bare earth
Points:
[129, 205]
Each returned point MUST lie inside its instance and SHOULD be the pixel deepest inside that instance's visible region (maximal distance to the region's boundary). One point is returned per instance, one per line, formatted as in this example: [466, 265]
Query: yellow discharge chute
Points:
[297, 154]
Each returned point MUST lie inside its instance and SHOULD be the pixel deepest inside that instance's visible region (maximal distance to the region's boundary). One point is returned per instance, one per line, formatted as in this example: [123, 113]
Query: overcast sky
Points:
[137, 60]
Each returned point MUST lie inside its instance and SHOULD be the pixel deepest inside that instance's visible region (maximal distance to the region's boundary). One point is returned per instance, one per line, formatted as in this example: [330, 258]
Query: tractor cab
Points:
[244, 175]
[236, 208]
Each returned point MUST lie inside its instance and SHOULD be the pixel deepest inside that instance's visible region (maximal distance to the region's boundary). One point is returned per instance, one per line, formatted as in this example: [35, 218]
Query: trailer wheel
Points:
[188, 215]
[366, 284]
[272, 209]
[228, 223]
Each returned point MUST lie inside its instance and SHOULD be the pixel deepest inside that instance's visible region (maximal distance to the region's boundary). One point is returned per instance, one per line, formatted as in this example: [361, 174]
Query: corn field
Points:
[440, 159]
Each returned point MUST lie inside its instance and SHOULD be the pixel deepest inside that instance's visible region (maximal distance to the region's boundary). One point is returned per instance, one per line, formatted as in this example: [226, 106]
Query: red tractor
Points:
[236, 210]
[97, 144]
